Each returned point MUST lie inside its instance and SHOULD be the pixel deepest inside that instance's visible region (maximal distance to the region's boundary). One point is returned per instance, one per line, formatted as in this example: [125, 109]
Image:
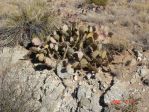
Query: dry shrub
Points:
[120, 42]
[31, 19]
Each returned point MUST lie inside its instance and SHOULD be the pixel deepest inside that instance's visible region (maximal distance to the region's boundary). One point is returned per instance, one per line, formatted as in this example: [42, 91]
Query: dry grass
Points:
[120, 42]
[98, 2]
[31, 18]
[143, 17]
[141, 6]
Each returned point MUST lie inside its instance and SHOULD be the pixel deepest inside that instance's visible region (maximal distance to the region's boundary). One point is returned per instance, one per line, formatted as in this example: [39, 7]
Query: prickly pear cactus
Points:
[78, 44]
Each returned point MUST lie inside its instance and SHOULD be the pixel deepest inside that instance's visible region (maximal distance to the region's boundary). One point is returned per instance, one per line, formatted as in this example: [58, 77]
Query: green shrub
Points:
[99, 2]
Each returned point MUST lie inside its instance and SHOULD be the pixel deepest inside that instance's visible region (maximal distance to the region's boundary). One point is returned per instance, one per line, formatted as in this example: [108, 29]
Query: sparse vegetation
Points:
[141, 6]
[99, 2]
[120, 43]
[33, 19]
[127, 105]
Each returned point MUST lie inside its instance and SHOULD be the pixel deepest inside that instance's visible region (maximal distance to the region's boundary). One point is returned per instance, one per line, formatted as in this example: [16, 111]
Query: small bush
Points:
[99, 2]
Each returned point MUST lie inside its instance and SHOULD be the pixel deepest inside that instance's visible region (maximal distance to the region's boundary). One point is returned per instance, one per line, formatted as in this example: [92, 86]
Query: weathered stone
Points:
[85, 102]
[116, 92]
[84, 91]
[63, 72]
[144, 72]
[43, 109]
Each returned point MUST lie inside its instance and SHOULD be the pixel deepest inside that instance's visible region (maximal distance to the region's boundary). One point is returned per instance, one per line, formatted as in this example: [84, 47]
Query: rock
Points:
[116, 91]
[40, 57]
[95, 103]
[144, 72]
[104, 79]
[65, 28]
[76, 78]
[64, 72]
[49, 62]
[43, 109]
[88, 100]
[89, 75]
[83, 91]
[85, 102]
[106, 109]
[12, 55]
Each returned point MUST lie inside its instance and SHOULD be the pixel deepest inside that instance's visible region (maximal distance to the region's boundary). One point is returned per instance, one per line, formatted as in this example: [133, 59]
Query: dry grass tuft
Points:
[98, 2]
[120, 42]
[141, 6]
[30, 19]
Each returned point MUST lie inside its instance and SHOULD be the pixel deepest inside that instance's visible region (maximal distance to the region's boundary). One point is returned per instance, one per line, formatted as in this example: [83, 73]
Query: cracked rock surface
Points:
[24, 89]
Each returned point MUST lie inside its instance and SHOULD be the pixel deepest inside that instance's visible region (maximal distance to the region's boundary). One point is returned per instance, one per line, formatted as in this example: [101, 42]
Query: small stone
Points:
[94, 9]
[40, 57]
[94, 90]
[76, 78]
[56, 47]
[143, 90]
[65, 28]
[51, 45]
[53, 40]
[49, 62]
[89, 75]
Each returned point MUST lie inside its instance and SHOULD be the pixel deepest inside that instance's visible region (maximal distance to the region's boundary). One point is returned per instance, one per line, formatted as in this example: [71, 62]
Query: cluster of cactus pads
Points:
[79, 45]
